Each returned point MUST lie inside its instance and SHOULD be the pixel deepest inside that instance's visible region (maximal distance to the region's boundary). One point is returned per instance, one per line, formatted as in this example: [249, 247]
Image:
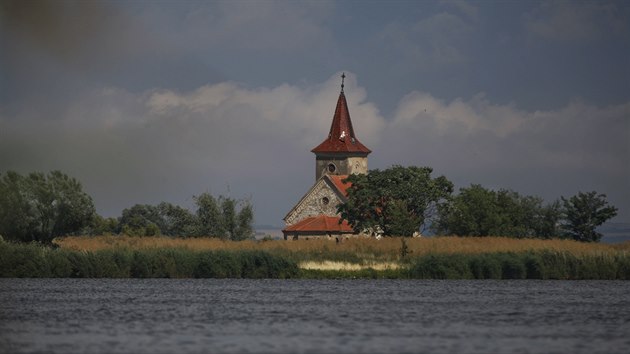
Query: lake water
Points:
[313, 316]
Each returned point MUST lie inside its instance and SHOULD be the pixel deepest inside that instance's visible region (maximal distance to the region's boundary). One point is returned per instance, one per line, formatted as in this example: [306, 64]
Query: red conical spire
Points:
[341, 137]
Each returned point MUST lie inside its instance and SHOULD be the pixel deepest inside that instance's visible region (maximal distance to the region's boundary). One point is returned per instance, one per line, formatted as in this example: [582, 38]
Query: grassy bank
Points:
[426, 258]
[31, 260]
[350, 250]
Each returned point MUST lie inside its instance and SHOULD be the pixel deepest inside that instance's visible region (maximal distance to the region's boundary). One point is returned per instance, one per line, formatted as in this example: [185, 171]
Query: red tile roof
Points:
[341, 137]
[337, 182]
[320, 223]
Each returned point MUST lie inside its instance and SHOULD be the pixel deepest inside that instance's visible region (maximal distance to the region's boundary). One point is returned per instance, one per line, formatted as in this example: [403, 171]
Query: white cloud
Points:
[145, 147]
[578, 135]
[165, 145]
[459, 116]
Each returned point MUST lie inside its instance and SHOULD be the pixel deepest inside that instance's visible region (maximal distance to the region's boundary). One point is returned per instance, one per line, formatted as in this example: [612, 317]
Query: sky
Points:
[150, 101]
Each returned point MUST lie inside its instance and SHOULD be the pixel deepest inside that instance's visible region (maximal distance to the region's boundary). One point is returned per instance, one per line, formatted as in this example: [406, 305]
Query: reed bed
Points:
[352, 250]
[301, 260]
[37, 261]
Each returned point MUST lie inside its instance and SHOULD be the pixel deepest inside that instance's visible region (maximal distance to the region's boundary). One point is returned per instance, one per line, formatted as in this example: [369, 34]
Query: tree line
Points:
[402, 200]
[398, 201]
[39, 207]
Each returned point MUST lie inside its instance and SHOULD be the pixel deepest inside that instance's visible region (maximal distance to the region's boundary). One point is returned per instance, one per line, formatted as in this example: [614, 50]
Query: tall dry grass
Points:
[429, 258]
[367, 249]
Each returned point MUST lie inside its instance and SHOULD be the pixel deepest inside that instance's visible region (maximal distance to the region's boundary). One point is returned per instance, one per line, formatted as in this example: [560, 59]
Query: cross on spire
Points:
[341, 138]
[343, 76]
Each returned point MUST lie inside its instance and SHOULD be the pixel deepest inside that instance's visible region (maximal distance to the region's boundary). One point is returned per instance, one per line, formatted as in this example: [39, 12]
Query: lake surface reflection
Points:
[321, 316]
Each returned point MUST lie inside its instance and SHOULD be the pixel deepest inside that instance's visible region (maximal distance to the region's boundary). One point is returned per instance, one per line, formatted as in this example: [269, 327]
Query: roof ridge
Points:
[320, 222]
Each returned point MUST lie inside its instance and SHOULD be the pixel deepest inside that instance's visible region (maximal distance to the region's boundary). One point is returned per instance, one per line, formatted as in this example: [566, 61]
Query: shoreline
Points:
[481, 258]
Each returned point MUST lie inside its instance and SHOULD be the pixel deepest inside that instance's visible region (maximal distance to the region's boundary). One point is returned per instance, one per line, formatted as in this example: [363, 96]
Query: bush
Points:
[623, 269]
[527, 265]
[58, 263]
[163, 263]
[218, 264]
[485, 266]
[22, 261]
[244, 264]
[512, 267]
[441, 266]
[534, 266]
[83, 265]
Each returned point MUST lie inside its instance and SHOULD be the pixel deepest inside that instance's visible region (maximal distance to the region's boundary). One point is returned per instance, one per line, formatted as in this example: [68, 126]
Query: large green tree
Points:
[226, 218]
[548, 221]
[141, 220]
[103, 226]
[397, 201]
[473, 212]
[209, 216]
[478, 211]
[40, 207]
[177, 221]
[584, 213]
[17, 217]
[244, 229]
[164, 219]
[221, 217]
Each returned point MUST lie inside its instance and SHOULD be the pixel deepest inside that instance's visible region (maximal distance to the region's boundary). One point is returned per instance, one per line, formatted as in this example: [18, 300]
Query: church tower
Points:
[341, 153]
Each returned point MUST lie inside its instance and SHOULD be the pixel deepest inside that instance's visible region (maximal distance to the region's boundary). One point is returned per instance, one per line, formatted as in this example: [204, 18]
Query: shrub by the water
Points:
[486, 266]
[163, 263]
[524, 265]
[244, 264]
[22, 261]
[34, 260]
[441, 266]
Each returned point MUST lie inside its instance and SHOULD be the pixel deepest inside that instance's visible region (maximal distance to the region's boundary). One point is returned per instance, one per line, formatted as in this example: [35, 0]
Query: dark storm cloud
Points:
[578, 21]
[54, 50]
[62, 29]
[45, 41]
[150, 101]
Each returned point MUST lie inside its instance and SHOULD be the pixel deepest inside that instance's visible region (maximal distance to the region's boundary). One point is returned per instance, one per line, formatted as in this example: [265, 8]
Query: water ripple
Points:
[312, 316]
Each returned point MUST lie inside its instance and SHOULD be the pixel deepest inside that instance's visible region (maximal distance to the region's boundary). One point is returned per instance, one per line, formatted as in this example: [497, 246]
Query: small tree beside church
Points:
[399, 201]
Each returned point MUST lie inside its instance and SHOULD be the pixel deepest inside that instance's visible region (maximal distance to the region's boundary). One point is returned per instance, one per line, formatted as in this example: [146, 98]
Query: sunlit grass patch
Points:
[334, 265]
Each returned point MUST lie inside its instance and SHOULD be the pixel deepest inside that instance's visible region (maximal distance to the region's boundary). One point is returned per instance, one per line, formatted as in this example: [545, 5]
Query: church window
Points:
[325, 201]
[332, 168]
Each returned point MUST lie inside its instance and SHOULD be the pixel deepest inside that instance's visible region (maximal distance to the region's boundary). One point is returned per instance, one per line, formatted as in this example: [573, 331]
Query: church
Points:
[338, 156]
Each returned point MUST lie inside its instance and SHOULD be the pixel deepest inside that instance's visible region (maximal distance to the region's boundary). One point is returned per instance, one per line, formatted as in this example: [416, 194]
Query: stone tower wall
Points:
[320, 200]
[343, 165]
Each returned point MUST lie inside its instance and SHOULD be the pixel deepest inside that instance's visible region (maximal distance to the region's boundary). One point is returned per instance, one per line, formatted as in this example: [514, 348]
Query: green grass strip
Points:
[36, 261]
